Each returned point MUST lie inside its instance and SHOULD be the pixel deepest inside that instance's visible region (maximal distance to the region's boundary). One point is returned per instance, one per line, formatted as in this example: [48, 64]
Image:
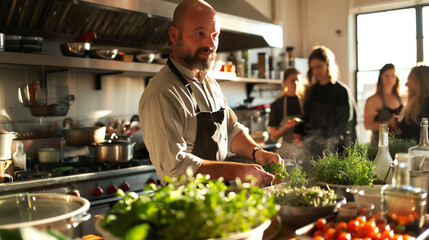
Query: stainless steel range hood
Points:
[128, 23]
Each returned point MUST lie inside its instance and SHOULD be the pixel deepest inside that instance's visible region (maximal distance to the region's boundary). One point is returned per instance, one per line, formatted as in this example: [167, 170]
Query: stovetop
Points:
[73, 166]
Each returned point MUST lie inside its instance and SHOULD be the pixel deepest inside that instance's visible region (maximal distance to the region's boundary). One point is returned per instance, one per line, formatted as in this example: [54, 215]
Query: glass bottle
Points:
[19, 156]
[383, 161]
[420, 153]
[401, 203]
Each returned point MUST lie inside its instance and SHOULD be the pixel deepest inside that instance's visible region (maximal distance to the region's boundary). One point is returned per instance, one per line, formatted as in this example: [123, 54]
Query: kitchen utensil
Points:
[4, 164]
[103, 53]
[32, 44]
[76, 49]
[45, 211]
[13, 43]
[84, 136]
[145, 56]
[6, 139]
[114, 151]
[48, 155]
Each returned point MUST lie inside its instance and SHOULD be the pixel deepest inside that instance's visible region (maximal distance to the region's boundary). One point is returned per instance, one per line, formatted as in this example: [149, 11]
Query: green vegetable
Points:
[351, 167]
[277, 169]
[195, 208]
[298, 177]
[313, 196]
[396, 145]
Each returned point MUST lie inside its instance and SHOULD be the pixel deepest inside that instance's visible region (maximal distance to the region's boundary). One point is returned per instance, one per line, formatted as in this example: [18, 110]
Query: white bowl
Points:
[48, 155]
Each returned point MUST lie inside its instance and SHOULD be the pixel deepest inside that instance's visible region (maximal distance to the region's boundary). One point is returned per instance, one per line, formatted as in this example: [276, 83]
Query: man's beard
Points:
[192, 59]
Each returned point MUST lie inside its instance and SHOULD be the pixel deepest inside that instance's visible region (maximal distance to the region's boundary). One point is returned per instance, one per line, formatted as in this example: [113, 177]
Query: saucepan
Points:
[114, 151]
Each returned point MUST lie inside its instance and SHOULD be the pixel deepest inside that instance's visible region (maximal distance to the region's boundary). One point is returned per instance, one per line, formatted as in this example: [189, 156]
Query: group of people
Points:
[327, 117]
[188, 126]
[386, 105]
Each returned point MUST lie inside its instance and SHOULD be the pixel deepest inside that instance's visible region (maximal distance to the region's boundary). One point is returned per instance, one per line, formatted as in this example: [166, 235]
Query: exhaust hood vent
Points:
[132, 24]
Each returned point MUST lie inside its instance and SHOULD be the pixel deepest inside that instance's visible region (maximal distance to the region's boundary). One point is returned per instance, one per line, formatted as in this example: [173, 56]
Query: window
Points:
[387, 37]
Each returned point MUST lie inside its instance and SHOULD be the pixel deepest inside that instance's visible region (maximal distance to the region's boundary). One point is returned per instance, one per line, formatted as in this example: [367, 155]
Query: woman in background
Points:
[285, 113]
[385, 105]
[329, 118]
[417, 106]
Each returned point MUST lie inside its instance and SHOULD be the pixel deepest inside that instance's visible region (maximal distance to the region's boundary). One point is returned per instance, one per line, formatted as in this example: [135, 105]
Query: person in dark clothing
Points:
[285, 112]
[329, 120]
[385, 105]
[417, 106]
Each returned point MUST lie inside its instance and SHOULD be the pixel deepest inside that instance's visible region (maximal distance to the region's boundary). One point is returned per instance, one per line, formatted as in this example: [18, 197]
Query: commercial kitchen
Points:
[63, 108]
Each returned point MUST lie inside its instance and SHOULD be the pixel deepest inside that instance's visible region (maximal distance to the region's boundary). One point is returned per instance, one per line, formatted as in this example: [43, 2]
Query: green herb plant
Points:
[277, 169]
[351, 167]
[189, 208]
[298, 177]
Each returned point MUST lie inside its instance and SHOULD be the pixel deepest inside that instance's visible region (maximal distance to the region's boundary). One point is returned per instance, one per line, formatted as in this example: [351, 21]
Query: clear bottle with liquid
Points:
[401, 203]
[420, 154]
[19, 156]
[383, 161]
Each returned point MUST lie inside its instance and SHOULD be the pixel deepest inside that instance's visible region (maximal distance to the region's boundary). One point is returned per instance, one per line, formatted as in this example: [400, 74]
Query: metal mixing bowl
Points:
[103, 53]
[76, 49]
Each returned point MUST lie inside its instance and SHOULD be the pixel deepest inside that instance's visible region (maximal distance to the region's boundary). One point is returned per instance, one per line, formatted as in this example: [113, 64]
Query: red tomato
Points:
[387, 234]
[329, 234]
[352, 226]
[318, 238]
[361, 219]
[344, 236]
[408, 237]
[342, 227]
[321, 224]
[367, 230]
[318, 233]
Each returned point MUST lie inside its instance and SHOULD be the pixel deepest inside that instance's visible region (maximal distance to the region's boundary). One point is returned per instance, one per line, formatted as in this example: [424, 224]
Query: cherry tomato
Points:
[318, 238]
[408, 237]
[342, 227]
[361, 219]
[318, 233]
[352, 226]
[387, 234]
[344, 236]
[329, 234]
[321, 224]
[367, 230]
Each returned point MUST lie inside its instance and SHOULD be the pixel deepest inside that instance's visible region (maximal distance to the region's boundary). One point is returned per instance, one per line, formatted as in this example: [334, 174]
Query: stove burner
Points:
[71, 166]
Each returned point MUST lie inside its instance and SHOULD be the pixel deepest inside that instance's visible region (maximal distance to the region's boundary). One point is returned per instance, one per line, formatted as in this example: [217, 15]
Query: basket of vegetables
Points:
[195, 208]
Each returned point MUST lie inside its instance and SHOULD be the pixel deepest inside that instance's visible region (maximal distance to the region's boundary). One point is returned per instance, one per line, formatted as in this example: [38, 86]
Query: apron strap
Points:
[185, 83]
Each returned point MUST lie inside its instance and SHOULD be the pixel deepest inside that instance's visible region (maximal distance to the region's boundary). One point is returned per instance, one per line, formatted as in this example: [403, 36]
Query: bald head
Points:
[191, 8]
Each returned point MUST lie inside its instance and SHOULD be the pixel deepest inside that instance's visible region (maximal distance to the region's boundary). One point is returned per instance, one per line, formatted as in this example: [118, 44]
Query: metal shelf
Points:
[76, 62]
[31, 59]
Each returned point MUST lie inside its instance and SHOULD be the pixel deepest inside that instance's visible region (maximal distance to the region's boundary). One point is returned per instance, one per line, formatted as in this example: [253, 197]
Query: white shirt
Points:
[168, 119]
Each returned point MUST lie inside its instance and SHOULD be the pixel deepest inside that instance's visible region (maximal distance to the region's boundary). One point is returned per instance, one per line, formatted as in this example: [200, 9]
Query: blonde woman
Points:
[385, 105]
[417, 106]
[284, 113]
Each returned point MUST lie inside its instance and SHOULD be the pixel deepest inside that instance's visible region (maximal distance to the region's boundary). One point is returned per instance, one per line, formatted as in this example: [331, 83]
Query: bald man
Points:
[186, 122]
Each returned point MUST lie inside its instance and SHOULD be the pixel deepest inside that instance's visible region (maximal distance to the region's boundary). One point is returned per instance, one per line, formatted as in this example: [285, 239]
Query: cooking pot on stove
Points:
[44, 211]
[114, 151]
[6, 139]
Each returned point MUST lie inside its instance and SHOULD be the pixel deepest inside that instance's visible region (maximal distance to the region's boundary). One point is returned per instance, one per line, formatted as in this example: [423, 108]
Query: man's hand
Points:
[256, 171]
[264, 157]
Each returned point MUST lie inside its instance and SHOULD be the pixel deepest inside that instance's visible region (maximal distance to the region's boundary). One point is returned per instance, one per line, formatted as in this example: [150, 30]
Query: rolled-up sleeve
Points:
[234, 127]
[163, 126]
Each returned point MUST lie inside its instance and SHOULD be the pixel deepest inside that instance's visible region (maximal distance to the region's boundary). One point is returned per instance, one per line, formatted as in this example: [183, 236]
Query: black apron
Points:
[211, 142]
